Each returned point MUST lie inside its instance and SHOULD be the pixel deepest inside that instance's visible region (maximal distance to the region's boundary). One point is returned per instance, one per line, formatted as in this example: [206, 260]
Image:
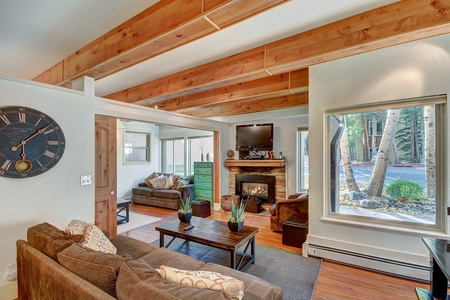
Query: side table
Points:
[123, 205]
[439, 269]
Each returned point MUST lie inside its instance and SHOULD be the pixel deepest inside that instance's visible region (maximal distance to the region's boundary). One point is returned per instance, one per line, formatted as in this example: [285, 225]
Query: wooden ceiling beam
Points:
[277, 85]
[251, 106]
[394, 24]
[163, 26]
[397, 23]
[238, 68]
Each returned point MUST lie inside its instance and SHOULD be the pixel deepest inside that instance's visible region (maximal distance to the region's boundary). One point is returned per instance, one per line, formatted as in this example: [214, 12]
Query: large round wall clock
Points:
[31, 142]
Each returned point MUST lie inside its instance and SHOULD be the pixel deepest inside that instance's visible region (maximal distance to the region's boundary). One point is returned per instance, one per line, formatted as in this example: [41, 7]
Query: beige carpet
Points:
[136, 221]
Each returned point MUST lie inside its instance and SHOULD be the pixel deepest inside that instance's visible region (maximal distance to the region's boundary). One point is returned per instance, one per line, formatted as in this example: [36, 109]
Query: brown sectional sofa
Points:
[129, 274]
[162, 198]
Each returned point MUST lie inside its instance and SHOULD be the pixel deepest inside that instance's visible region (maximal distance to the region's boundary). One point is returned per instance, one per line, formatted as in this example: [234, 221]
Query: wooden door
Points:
[106, 174]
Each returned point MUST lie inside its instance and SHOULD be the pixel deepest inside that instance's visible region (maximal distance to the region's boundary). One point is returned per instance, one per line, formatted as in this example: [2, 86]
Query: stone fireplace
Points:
[260, 186]
[278, 174]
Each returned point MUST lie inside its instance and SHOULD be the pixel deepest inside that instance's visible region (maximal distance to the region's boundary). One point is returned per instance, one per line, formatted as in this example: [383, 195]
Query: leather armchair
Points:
[295, 206]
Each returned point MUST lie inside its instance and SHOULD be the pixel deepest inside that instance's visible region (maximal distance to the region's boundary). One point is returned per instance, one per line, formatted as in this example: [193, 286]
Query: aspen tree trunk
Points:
[412, 140]
[396, 156]
[347, 163]
[365, 134]
[379, 171]
[430, 150]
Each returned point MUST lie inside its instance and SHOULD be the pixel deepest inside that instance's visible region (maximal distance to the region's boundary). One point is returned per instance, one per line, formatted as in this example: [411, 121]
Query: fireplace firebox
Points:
[260, 186]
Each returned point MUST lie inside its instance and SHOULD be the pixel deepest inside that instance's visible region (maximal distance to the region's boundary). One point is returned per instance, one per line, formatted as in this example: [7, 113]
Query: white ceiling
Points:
[35, 35]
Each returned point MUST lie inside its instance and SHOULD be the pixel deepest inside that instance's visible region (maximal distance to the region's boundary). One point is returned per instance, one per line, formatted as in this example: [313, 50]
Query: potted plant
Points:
[185, 209]
[236, 216]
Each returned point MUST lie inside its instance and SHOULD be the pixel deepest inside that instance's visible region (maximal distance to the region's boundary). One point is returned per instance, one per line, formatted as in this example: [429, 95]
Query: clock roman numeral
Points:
[49, 154]
[22, 117]
[41, 165]
[6, 165]
[5, 119]
[50, 130]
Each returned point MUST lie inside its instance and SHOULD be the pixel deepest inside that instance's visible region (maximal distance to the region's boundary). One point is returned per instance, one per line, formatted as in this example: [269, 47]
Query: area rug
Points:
[136, 220]
[295, 274]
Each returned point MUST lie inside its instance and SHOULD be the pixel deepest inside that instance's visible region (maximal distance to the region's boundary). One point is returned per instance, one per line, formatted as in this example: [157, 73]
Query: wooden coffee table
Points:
[215, 234]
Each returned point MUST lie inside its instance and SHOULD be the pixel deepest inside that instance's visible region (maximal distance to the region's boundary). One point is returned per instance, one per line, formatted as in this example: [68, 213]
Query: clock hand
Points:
[38, 131]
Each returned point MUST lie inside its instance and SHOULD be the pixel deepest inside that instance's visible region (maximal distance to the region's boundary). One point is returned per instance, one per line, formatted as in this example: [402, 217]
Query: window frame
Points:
[441, 177]
[147, 147]
[300, 182]
[163, 158]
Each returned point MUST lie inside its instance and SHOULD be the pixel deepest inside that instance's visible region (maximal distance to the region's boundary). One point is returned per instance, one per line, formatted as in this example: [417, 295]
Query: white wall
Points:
[56, 195]
[129, 175]
[407, 71]
[284, 139]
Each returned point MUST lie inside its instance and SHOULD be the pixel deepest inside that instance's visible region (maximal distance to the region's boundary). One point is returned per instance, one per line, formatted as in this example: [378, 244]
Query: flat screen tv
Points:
[254, 137]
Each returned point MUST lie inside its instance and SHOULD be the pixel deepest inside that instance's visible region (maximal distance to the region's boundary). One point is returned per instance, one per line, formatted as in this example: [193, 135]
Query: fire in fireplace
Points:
[259, 190]
[260, 186]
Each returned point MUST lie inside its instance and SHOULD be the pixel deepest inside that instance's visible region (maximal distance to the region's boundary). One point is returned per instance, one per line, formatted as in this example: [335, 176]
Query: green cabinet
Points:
[204, 181]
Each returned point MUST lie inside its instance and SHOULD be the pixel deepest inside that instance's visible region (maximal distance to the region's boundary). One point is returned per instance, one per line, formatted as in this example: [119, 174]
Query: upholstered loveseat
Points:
[148, 194]
[128, 274]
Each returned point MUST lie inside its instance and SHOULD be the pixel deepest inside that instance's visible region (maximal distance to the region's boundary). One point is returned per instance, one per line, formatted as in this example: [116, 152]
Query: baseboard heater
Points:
[372, 263]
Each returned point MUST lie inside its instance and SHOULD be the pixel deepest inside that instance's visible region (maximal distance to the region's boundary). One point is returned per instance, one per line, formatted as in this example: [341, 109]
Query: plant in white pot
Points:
[185, 209]
[236, 216]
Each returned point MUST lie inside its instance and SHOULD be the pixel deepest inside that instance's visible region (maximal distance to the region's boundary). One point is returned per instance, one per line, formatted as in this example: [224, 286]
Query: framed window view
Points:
[136, 147]
[390, 174]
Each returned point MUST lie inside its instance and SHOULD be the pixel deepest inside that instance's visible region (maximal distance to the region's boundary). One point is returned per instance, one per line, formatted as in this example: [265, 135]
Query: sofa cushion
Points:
[204, 279]
[164, 256]
[182, 182]
[159, 183]
[143, 191]
[255, 288]
[168, 194]
[98, 268]
[169, 182]
[77, 227]
[96, 240]
[135, 248]
[138, 280]
[150, 177]
[176, 178]
[50, 240]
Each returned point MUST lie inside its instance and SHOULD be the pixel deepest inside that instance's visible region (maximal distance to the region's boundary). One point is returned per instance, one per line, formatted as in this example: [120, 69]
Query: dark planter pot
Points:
[235, 227]
[185, 218]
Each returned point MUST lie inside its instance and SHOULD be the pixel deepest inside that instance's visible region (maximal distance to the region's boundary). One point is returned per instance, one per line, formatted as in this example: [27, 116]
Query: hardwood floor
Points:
[336, 281]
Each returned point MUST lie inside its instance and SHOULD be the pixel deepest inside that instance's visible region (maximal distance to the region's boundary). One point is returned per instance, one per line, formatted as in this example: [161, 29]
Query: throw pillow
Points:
[204, 279]
[169, 182]
[176, 178]
[138, 280]
[50, 240]
[150, 177]
[96, 240]
[182, 182]
[159, 183]
[98, 268]
[77, 227]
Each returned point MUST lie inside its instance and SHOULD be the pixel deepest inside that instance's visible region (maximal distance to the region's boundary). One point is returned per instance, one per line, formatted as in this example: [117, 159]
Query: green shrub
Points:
[405, 189]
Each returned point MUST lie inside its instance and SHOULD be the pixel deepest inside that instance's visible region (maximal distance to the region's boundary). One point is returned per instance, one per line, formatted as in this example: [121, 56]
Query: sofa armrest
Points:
[186, 191]
[142, 184]
[39, 276]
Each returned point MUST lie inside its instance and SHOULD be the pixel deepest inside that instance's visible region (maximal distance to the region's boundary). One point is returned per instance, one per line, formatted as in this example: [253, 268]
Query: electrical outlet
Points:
[85, 179]
[12, 272]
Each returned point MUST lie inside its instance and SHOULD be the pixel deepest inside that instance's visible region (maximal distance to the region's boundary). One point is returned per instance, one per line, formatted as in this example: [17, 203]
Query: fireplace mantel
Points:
[255, 163]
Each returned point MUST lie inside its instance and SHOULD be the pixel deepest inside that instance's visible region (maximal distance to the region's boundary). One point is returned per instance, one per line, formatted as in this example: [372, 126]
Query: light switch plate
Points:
[85, 179]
